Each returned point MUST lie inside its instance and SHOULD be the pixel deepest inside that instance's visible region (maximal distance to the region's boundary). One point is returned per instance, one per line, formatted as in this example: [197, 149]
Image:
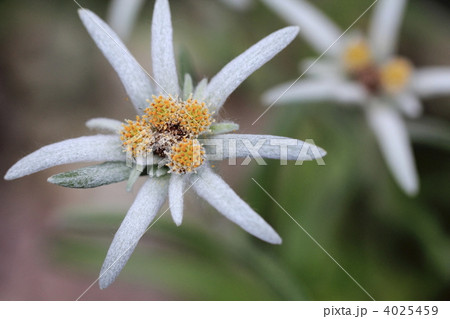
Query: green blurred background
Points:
[53, 240]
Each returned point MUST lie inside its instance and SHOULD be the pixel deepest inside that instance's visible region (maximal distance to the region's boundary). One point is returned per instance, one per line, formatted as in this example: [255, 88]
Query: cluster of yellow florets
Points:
[186, 156]
[169, 128]
[395, 75]
[162, 113]
[190, 116]
[357, 56]
[136, 137]
[195, 117]
[391, 77]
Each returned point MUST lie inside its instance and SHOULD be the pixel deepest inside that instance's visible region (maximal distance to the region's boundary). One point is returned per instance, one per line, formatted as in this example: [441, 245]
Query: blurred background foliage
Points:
[54, 240]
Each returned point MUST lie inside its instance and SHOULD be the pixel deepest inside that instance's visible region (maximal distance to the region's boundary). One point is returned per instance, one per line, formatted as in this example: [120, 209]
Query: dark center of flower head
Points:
[391, 77]
[169, 128]
[369, 77]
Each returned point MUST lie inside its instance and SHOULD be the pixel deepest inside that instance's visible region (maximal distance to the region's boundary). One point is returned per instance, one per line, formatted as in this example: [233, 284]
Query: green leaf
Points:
[188, 87]
[224, 127]
[93, 176]
[134, 175]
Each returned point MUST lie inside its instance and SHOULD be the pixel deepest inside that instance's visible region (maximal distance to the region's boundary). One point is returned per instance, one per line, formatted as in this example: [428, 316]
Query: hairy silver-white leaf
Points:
[238, 70]
[218, 194]
[163, 57]
[97, 148]
[144, 209]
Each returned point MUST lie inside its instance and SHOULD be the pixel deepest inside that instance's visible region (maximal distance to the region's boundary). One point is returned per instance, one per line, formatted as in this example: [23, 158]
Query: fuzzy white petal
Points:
[235, 72]
[317, 29]
[105, 125]
[225, 146]
[393, 139]
[144, 209]
[176, 189]
[409, 104]
[135, 80]
[83, 149]
[322, 69]
[316, 90]
[432, 81]
[122, 15]
[218, 194]
[385, 27]
[163, 58]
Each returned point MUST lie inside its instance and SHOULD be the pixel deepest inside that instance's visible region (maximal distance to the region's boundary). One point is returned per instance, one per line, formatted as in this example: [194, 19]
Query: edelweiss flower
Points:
[122, 14]
[365, 72]
[170, 137]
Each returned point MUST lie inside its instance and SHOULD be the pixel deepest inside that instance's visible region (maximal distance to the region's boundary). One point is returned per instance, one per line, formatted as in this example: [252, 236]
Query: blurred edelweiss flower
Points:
[169, 137]
[365, 72]
[122, 14]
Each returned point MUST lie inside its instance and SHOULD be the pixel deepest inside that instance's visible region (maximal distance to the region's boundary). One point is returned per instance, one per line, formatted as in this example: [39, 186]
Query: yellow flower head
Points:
[162, 112]
[195, 117]
[136, 137]
[357, 56]
[395, 75]
[186, 156]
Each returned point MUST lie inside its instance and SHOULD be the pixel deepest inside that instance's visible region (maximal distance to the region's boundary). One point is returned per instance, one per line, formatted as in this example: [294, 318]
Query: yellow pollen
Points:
[357, 56]
[396, 75]
[186, 156]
